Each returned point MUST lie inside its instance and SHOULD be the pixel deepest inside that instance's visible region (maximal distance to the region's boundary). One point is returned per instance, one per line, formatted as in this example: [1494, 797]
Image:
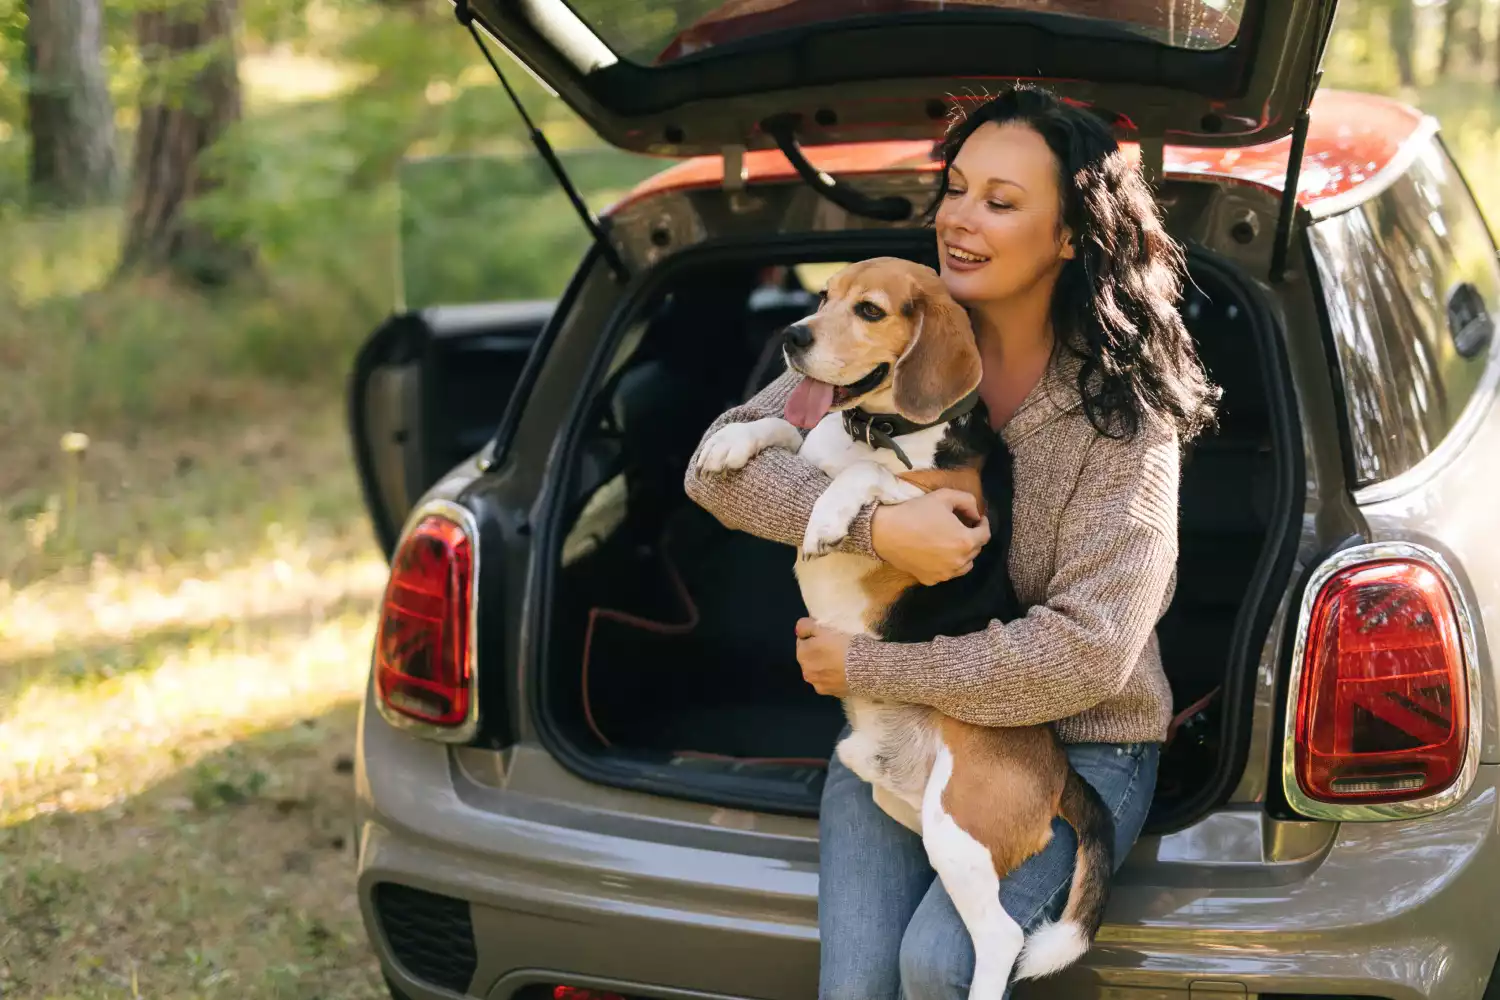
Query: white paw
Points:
[734, 445]
[829, 524]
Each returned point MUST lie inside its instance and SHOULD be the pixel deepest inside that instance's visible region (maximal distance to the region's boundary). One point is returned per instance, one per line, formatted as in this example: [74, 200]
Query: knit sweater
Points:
[1093, 555]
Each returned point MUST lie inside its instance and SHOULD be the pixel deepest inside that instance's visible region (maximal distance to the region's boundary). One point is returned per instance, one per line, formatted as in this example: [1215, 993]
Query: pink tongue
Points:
[809, 402]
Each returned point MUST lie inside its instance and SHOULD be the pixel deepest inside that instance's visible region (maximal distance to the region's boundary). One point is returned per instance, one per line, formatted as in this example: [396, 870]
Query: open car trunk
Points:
[670, 645]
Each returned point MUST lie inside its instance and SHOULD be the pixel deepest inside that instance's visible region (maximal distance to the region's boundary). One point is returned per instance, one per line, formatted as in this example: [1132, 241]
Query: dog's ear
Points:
[941, 365]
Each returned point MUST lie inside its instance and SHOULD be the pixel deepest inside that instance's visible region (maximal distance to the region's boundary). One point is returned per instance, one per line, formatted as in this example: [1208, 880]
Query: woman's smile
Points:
[958, 259]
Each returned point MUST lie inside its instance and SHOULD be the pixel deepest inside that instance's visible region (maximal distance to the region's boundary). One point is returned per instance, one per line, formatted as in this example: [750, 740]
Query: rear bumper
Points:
[728, 907]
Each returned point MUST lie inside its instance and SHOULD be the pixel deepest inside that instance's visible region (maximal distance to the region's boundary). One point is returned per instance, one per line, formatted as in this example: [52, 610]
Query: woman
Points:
[1052, 241]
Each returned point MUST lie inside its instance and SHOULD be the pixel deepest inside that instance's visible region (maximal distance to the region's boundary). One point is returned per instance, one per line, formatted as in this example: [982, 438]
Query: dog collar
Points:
[880, 430]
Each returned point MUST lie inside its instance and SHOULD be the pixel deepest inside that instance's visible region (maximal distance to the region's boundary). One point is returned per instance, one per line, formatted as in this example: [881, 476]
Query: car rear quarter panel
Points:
[1451, 502]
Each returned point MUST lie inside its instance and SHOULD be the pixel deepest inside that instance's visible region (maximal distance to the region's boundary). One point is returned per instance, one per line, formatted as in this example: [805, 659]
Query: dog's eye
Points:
[869, 312]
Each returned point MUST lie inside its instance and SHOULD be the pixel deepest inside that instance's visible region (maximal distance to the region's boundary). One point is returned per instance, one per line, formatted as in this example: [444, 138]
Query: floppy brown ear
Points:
[941, 364]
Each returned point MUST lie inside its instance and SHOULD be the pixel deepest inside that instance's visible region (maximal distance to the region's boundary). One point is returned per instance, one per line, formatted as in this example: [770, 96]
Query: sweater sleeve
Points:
[772, 497]
[1116, 558]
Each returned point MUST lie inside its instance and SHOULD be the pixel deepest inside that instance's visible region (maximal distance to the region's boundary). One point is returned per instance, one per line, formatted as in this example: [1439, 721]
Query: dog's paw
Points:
[827, 528]
[734, 445]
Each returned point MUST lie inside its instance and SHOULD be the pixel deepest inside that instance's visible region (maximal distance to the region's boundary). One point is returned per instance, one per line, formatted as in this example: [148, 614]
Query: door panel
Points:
[428, 391]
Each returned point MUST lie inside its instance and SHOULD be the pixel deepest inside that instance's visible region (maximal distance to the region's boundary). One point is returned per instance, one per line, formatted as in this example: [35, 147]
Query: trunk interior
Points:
[670, 642]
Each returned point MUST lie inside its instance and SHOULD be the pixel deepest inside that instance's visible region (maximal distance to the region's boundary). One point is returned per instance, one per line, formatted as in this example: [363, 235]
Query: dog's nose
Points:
[799, 336]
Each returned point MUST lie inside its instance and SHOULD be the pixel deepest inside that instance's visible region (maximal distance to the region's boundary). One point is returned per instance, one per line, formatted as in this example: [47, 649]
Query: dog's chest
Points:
[829, 447]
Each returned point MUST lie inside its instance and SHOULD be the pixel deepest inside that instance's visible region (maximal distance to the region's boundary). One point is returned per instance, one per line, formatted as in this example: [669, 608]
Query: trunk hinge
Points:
[606, 248]
[1281, 248]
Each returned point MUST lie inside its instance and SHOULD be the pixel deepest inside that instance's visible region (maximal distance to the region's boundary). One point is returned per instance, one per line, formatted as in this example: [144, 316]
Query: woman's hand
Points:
[934, 537]
[822, 651]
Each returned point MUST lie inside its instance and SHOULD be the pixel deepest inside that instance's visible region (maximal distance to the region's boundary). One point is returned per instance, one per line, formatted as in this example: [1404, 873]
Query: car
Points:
[587, 765]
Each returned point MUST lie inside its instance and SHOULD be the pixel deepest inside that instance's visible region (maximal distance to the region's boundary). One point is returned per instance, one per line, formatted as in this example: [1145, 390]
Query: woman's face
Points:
[999, 227]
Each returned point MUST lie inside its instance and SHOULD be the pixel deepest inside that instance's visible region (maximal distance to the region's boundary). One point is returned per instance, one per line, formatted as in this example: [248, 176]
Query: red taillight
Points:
[423, 660]
[578, 993]
[1382, 712]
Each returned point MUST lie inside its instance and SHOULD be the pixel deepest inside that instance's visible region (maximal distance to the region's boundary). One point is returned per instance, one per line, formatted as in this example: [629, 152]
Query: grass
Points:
[175, 724]
[186, 614]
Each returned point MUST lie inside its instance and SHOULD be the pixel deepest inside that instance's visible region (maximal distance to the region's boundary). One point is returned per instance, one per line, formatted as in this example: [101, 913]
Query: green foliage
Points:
[475, 229]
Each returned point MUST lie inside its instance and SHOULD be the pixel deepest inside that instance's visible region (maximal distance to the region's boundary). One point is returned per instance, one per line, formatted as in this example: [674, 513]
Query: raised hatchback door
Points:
[683, 77]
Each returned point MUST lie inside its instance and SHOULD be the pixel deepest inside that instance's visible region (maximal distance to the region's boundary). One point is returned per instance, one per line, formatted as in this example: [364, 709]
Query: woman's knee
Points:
[937, 956]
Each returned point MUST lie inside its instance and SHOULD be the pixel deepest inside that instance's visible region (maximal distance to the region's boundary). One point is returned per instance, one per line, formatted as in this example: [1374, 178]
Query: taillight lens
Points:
[423, 660]
[1383, 707]
[578, 993]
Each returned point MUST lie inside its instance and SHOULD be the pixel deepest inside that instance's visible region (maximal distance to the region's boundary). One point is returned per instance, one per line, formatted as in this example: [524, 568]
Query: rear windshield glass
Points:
[659, 31]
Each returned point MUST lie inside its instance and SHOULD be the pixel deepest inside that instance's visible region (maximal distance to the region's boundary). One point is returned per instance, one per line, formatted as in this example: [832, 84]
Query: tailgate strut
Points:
[1282, 245]
[606, 248]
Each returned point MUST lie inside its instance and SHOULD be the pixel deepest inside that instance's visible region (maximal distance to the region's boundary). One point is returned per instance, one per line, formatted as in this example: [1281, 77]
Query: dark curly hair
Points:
[1115, 304]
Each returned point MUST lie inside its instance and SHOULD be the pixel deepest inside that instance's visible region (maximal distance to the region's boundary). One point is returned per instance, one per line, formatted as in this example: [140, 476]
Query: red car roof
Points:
[1352, 138]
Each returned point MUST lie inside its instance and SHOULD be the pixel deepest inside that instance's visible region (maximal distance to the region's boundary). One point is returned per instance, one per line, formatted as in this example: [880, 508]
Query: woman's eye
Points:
[952, 193]
[869, 312]
[999, 206]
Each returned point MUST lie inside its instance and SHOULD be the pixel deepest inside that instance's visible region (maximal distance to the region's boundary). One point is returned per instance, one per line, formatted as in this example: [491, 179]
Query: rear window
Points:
[652, 32]
[1412, 288]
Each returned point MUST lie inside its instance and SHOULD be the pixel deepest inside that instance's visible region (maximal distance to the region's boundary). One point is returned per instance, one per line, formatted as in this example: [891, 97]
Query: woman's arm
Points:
[1116, 557]
[934, 537]
[772, 497]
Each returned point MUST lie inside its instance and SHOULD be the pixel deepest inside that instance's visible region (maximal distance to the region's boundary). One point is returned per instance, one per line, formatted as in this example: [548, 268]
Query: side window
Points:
[1412, 287]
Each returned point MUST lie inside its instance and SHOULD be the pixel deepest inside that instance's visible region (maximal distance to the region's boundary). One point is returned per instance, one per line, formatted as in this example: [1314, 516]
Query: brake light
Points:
[1382, 710]
[424, 656]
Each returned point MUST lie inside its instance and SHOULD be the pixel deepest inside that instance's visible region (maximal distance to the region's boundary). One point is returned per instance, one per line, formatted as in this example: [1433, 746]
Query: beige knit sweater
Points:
[1093, 553]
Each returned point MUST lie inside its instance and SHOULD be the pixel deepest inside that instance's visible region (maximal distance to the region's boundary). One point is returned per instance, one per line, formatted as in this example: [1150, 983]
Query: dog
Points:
[889, 396]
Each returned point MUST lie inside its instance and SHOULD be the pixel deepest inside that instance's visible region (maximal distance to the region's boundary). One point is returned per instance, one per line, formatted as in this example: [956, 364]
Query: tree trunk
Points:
[190, 97]
[1403, 28]
[69, 113]
[1451, 11]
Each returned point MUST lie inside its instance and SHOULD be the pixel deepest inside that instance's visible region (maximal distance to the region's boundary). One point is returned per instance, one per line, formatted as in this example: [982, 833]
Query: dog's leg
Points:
[735, 444]
[850, 490]
[968, 872]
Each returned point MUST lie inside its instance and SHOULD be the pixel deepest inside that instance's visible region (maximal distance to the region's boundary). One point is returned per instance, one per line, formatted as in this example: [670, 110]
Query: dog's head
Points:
[887, 337]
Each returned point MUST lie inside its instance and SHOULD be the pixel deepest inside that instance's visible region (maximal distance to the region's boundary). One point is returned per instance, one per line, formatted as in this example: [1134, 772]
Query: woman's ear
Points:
[941, 365]
[1068, 250]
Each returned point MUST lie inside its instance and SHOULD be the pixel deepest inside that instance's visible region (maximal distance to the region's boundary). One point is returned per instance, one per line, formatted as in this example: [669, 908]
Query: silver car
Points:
[587, 763]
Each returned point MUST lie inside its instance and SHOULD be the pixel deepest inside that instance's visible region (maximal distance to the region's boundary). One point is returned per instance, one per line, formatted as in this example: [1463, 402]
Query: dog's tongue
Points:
[809, 402]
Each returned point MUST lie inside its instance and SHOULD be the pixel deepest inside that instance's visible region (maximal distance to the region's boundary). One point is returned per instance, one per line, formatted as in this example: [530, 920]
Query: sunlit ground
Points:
[176, 724]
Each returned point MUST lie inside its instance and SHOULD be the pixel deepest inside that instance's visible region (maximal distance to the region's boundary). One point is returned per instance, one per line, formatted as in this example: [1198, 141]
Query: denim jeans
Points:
[889, 931]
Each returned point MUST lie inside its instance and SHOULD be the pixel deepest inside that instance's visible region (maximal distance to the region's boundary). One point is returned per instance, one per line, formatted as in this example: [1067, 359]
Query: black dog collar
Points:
[880, 430]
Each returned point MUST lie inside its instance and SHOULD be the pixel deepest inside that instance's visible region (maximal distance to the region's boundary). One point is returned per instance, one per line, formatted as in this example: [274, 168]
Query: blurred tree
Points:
[70, 116]
[1403, 31]
[189, 98]
[1451, 10]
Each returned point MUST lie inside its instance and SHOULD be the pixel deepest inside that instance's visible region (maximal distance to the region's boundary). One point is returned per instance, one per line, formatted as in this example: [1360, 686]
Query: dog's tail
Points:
[1056, 945]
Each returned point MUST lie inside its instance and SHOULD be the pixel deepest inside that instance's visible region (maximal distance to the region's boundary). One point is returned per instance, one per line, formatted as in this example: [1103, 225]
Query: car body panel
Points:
[725, 903]
[1448, 503]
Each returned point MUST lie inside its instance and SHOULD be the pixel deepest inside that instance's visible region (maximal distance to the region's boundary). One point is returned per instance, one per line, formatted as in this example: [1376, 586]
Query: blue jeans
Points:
[889, 931]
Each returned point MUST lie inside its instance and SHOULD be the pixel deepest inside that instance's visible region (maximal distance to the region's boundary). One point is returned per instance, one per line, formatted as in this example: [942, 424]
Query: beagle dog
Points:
[889, 396]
